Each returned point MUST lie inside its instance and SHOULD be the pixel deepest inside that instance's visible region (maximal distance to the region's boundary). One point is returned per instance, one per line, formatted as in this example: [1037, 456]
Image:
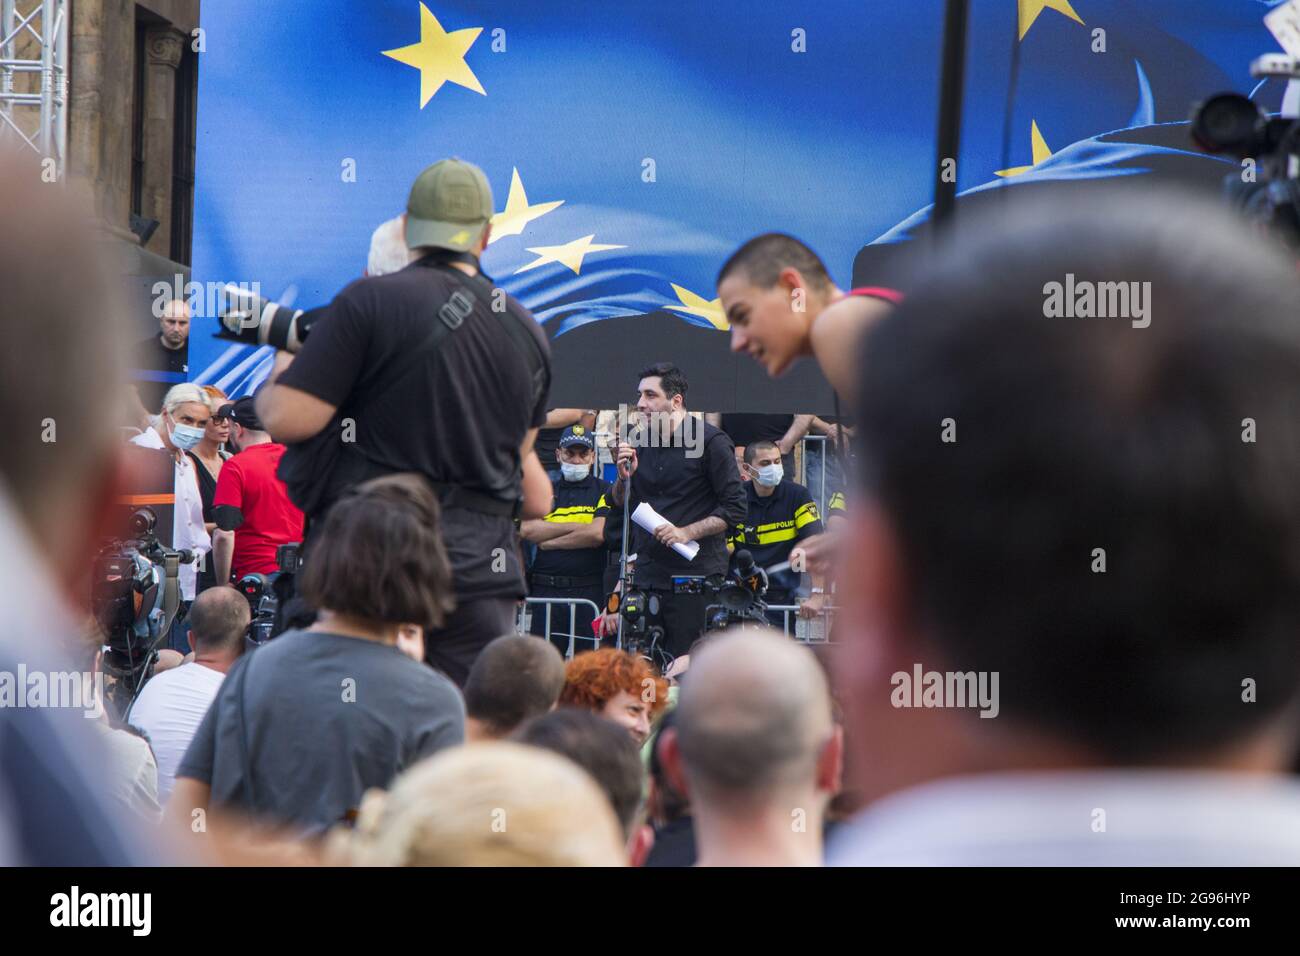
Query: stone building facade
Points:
[133, 102]
[132, 76]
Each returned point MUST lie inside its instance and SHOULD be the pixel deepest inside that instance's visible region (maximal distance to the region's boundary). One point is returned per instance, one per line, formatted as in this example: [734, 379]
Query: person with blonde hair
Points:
[493, 804]
[180, 426]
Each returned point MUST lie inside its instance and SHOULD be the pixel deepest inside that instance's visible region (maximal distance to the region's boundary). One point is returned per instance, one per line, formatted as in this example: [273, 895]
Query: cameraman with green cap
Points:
[433, 370]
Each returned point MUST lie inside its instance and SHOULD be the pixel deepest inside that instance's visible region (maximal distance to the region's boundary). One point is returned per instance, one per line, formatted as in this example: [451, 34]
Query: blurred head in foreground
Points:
[755, 750]
[514, 679]
[61, 377]
[64, 321]
[492, 804]
[1080, 540]
[619, 686]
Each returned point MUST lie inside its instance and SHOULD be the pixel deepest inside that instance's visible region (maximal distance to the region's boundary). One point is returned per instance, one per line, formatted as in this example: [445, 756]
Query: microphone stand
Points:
[622, 567]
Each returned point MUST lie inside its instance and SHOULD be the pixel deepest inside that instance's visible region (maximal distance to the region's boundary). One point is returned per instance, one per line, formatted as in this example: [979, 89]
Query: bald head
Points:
[753, 717]
[218, 619]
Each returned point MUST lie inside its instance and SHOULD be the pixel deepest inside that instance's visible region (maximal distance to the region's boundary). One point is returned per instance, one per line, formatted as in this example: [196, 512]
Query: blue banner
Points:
[632, 146]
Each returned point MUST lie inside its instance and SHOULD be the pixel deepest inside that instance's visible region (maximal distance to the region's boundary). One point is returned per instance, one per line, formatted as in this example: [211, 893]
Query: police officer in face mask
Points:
[570, 559]
[779, 514]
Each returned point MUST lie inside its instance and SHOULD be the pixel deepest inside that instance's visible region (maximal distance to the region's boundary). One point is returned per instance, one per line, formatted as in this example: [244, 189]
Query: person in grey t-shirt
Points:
[305, 725]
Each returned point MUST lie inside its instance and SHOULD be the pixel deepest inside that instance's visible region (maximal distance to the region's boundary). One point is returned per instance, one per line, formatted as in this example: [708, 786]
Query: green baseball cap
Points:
[450, 204]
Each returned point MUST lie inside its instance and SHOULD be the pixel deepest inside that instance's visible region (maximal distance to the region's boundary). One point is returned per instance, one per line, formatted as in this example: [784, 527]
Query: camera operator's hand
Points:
[812, 606]
[627, 460]
[669, 535]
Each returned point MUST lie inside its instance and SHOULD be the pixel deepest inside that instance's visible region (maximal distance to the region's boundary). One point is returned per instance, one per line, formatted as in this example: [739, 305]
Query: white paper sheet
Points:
[648, 518]
[1284, 23]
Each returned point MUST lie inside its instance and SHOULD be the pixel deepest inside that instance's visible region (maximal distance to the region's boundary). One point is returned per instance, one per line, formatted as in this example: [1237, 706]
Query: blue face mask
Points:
[574, 472]
[186, 437]
[769, 476]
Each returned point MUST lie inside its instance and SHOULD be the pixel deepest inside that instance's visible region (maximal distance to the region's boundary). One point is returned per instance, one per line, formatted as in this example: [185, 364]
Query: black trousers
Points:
[454, 648]
[563, 621]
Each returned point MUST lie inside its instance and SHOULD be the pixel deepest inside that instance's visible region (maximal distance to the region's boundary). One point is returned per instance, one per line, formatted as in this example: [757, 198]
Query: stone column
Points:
[163, 48]
[99, 116]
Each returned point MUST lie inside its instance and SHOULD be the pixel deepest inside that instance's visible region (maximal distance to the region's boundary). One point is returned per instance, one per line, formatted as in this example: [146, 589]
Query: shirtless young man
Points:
[782, 304]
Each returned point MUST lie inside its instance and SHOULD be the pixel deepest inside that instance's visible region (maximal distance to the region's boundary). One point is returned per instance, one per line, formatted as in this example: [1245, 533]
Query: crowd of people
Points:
[1096, 522]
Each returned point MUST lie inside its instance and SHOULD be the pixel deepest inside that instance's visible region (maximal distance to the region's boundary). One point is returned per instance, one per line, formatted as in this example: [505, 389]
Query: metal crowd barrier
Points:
[533, 605]
[815, 630]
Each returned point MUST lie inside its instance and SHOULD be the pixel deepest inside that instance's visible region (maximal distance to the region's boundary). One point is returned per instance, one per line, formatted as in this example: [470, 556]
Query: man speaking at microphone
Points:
[685, 469]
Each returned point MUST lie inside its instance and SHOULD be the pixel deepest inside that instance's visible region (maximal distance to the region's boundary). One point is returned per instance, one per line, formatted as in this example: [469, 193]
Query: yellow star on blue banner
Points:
[518, 213]
[439, 56]
[1030, 9]
[693, 304]
[1040, 152]
[570, 254]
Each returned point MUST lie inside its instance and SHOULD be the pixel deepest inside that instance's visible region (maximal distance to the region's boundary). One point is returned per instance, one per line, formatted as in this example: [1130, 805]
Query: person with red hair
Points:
[618, 686]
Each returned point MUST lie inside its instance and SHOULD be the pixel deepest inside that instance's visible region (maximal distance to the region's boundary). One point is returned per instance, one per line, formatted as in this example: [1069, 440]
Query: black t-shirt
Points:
[685, 487]
[576, 502]
[459, 418]
[773, 524]
[157, 369]
[316, 720]
[548, 442]
[745, 429]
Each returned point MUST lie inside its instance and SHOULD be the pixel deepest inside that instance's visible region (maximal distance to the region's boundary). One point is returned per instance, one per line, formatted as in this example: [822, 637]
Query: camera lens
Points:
[1228, 123]
[142, 522]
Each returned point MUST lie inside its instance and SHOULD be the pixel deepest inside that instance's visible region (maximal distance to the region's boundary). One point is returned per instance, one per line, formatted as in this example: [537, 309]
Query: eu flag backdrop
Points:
[632, 146]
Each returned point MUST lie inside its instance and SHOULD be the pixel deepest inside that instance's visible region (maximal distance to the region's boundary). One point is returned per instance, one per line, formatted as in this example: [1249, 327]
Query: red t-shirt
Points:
[248, 483]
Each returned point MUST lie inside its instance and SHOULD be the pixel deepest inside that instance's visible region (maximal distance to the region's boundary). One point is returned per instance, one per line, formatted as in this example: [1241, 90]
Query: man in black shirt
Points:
[570, 559]
[465, 415]
[685, 469]
[162, 360]
[780, 514]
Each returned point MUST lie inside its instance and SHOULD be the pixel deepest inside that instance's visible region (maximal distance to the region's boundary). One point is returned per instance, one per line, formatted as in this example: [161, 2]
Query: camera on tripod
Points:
[1268, 190]
[638, 607]
[135, 594]
[263, 605]
[739, 593]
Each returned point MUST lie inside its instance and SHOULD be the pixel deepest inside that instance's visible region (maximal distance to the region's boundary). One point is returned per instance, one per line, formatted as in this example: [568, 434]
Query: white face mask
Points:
[185, 437]
[769, 476]
[574, 472]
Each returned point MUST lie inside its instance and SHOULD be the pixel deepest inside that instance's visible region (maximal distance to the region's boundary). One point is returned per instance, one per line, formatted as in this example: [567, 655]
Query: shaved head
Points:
[218, 619]
[753, 717]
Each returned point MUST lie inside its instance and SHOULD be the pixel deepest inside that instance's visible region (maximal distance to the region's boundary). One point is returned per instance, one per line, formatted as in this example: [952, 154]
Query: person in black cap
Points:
[570, 558]
[251, 506]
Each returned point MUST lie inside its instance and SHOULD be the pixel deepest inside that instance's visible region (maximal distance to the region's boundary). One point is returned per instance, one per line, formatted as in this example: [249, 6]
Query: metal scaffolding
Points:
[37, 118]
